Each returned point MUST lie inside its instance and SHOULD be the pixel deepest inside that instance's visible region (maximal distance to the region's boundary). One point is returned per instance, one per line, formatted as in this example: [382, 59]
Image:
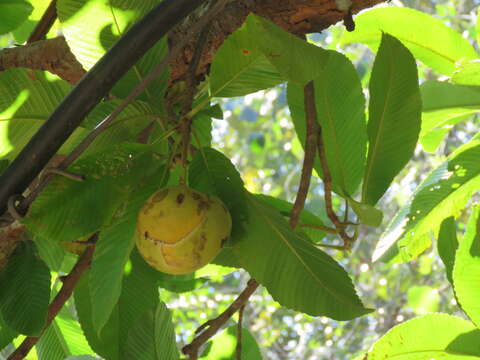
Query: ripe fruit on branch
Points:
[179, 230]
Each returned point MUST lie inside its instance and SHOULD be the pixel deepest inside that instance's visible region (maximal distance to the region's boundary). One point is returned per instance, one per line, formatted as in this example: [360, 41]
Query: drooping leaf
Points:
[466, 271]
[415, 30]
[443, 193]
[27, 98]
[239, 67]
[13, 13]
[447, 244]
[224, 346]
[394, 117]
[211, 172]
[295, 59]
[297, 274]
[92, 27]
[433, 336]
[340, 106]
[110, 177]
[25, 291]
[152, 336]
[117, 240]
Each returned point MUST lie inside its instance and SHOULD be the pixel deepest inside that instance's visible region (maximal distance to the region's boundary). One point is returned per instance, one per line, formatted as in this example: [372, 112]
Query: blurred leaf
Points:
[25, 291]
[443, 193]
[367, 214]
[447, 245]
[467, 73]
[340, 105]
[92, 27]
[3, 165]
[68, 210]
[211, 172]
[152, 336]
[224, 346]
[430, 40]
[423, 299]
[447, 104]
[239, 67]
[13, 13]
[432, 140]
[466, 271]
[81, 357]
[434, 336]
[297, 275]
[394, 117]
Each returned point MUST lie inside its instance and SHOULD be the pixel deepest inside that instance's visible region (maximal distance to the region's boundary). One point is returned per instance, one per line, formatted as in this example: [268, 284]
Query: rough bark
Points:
[299, 17]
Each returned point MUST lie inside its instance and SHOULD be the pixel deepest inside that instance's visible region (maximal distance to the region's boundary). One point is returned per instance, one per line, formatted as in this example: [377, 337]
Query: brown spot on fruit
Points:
[245, 52]
[180, 198]
[159, 196]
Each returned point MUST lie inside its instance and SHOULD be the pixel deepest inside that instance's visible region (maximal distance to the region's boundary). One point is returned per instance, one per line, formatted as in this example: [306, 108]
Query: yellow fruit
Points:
[179, 230]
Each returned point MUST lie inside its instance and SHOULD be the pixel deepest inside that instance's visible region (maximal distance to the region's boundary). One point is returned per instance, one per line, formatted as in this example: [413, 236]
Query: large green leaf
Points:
[116, 242]
[152, 336]
[6, 334]
[110, 177]
[447, 245]
[25, 291]
[296, 273]
[434, 336]
[91, 27]
[27, 98]
[467, 73]
[340, 106]
[416, 30]
[224, 346]
[240, 67]
[466, 271]
[443, 193]
[394, 117]
[13, 13]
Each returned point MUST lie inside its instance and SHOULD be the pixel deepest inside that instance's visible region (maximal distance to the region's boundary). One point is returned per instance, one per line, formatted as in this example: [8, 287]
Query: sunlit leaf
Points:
[466, 271]
[467, 73]
[443, 193]
[25, 291]
[394, 117]
[297, 274]
[416, 31]
[434, 336]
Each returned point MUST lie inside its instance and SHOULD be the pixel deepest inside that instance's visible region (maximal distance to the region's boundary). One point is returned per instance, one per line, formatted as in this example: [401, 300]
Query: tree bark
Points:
[299, 17]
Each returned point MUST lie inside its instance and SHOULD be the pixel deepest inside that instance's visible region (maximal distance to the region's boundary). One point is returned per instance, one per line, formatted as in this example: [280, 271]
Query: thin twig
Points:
[210, 328]
[239, 333]
[310, 151]
[69, 283]
[45, 23]
[152, 75]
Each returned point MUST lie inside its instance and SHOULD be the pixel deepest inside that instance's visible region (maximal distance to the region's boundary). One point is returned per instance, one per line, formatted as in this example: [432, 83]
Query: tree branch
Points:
[210, 328]
[69, 283]
[45, 23]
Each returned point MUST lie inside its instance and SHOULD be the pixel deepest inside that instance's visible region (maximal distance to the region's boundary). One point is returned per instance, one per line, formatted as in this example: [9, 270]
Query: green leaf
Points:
[433, 336]
[50, 252]
[211, 172]
[340, 106]
[297, 274]
[91, 27]
[27, 98]
[51, 345]
[466, 270]
[13, 13]
[446, 104]
[416, 31]
[423, 299]
[447, 245]
[117, 240]
[394, 117]
[110, 177]
[367, 214]
[432, 140]
[6, 334]
[239, 67]
[152, 336]
[467, 73]
[224, 346]
[443, 193]
[25, 291]
[81, 357]
[295, 59]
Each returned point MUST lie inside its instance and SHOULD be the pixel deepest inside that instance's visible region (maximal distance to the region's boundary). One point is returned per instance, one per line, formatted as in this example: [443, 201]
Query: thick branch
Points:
[69, 283]
[299, 17]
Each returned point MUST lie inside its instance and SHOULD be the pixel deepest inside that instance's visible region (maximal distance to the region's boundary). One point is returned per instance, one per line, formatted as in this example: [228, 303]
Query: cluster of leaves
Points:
[108, 317]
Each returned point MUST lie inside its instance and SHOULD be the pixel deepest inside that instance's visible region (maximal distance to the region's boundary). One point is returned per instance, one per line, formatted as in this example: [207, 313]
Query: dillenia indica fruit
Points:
[179, 230]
